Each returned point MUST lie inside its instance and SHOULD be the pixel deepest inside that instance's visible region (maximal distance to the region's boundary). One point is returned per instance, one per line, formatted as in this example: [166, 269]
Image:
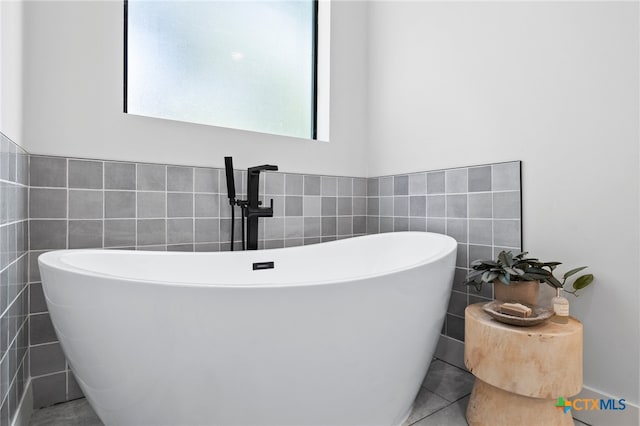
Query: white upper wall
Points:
[11, 69]
[552, 84]
[73, 98]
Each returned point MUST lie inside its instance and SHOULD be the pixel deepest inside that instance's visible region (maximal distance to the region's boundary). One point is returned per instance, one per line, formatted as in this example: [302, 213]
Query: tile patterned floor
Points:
[442, 401]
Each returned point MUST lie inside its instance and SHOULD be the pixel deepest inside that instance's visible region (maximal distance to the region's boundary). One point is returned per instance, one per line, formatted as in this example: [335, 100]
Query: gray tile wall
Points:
[76, 203]
[14, 301]
[479, 206]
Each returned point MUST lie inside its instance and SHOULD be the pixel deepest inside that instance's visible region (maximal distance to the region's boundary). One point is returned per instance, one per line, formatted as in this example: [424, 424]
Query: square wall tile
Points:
[457, 205]
[456, 181]
[386, 186]
[311, 206]
[455, 327]
[207, 205]
[49, 390]
[436, 206]
[480, 232]
[329, 186]
[479, 252]
[179, 205]
[73, 389]
[41, 329]
[345, 206]
[293, 184]
[47, 171]
[506, 233]
[345, 225]
[438, 226]
[86, 204]
[85, 234]
[119, 232]
[37, 301]
[311, 227]
[373, 187]
[151, 177]
[345, 187]
[47, 359]
[85, 174]
[329, 206]
[401, 185]
[373, 224]
[274, 228]
[207, 180]
[457, 303]
[359, 206]
[152, 204]
[359, 187]
[293, 206]
[293, 228]
[359, 224]
[435, 182]
[401, 206]
[47, 234]
[418, 206]
[418, 184]
[506, 176]
[179, 231]
[151, 232]
[479, 179]
[179, 179]
[119, 175]
[480, 205]
[386, 206]
[329, 226]
[373, 206]
[207, 230]
[461, 256]
[119, 204]
[457, 228]
[311, 185]
[506, 205]
[418, 224]
[400, 224]
[47, 203]
[274, 183]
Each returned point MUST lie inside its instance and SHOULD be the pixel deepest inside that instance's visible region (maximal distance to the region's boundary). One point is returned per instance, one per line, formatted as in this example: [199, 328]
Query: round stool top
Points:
[541, 361]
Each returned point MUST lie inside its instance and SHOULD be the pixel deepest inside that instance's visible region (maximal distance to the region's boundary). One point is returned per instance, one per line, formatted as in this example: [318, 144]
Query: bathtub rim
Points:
[53, 259]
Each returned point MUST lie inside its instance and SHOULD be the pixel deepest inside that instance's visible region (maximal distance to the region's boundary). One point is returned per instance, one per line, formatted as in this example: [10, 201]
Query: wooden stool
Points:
[521, 371]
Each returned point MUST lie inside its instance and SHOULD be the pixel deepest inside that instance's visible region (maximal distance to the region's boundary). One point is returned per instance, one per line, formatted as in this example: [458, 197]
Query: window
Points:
[241, 64]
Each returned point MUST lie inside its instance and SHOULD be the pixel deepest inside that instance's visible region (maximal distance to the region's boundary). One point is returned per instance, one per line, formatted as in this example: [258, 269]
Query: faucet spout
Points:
[253, 209]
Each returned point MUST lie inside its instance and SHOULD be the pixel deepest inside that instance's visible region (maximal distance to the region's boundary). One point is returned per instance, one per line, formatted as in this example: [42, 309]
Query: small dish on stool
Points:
[538, 316]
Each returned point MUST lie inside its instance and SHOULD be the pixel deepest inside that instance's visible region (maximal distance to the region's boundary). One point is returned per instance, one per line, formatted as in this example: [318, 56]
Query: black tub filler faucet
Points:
[250, 207]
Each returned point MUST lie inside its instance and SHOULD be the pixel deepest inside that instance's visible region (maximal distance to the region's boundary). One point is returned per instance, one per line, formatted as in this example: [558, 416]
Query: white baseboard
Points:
[25, 407]
[451, 351]
[630, 416]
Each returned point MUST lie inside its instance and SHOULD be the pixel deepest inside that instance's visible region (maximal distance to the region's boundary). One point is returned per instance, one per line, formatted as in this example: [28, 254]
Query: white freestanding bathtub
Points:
[338, 333]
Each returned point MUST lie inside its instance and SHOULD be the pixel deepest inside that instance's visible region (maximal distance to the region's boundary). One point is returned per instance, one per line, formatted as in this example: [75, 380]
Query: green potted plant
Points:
[517, 278]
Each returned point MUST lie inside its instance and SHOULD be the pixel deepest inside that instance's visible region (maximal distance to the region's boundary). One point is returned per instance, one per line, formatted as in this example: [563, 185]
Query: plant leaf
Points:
[505, 279]
[583, 281]
[488, 276]
[573, 271]
[538, 271]
[553, 281]
[514, 271]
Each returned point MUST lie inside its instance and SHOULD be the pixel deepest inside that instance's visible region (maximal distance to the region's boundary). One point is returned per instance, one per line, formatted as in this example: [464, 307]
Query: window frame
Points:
[314, 70]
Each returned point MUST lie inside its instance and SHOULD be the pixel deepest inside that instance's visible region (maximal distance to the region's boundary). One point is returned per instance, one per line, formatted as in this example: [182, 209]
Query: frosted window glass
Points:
[239, 64]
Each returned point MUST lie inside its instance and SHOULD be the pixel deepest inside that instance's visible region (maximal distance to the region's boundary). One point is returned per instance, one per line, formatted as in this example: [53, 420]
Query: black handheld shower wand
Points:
[231, 193]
